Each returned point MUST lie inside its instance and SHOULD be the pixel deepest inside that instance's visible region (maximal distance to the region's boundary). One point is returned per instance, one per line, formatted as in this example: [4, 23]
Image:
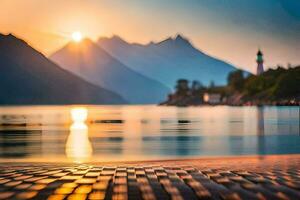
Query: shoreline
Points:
[233, 105]
[228, 158]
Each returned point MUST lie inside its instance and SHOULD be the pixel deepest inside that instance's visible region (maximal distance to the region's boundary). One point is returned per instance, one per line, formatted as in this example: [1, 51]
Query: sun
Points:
[76, 36]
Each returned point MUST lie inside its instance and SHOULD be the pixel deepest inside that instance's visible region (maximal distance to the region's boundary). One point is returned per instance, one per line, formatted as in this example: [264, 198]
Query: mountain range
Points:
[28, 77]
[111, 71]
[94, 64]
[169, 60]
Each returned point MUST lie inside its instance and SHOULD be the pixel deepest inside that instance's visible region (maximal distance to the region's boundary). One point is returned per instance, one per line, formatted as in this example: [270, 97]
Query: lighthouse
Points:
[260, 63]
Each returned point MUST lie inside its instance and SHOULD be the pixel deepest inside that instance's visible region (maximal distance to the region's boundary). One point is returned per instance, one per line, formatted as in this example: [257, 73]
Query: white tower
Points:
[260, 63]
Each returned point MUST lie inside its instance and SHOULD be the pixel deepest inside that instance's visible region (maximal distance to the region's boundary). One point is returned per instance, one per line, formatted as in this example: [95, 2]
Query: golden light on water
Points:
[77, 36]
[78, 147]
[79, 114]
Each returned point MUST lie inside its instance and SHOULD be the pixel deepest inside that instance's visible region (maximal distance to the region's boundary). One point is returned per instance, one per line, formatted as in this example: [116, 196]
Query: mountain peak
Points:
[13, 43]
[11, 38]
[115, 39]
[179, 37]
[84, 43]
[178, 40]
[10, 35]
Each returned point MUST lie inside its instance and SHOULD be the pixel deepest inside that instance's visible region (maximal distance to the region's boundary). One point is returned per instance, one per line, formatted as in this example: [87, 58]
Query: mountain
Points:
[28, 77]
[168, 60]
[91, 62]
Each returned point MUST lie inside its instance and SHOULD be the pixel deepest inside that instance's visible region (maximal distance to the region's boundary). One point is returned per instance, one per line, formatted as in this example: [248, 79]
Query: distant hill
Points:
[94, 64]
[168, 60]
[28, 77]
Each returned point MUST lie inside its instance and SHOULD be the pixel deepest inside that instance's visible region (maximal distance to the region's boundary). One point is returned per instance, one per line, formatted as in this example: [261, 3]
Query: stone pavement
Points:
[270, 177]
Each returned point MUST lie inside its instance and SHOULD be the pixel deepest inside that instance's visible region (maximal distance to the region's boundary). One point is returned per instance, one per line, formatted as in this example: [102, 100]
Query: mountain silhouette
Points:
[28, 77]
[168, 60]
[94, 64]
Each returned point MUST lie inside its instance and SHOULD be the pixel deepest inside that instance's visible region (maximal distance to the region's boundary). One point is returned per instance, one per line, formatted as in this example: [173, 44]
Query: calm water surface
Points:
[102, 133]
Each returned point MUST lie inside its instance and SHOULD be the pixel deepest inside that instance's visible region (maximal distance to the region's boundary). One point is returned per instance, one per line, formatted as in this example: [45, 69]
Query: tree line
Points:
[274, 86]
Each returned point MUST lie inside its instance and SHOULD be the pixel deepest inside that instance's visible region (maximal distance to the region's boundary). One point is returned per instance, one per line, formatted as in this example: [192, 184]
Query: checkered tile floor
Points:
[145, 181]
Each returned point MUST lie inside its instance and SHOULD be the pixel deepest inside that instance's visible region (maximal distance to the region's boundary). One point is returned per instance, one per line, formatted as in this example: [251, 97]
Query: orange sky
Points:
[48, 24]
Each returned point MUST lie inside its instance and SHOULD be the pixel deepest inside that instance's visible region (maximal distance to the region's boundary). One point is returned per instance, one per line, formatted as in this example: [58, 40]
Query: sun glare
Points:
[79, 114]
[76, 36]
[78, 146]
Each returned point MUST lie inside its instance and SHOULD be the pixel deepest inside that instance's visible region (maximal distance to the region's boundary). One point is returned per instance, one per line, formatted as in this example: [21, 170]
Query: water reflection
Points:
[78, 146]
[19, 143]
[260, 121]
[261, 143]
[104, 133]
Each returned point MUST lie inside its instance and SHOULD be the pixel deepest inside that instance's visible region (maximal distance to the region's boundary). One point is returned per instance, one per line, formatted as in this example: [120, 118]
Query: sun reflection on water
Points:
[78, 147]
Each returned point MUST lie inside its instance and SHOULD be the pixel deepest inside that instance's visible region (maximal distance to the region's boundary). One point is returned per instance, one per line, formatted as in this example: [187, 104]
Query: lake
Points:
[106, 133]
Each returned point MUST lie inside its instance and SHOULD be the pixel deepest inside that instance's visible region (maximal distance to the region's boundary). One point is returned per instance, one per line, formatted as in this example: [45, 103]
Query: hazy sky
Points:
[228, 29]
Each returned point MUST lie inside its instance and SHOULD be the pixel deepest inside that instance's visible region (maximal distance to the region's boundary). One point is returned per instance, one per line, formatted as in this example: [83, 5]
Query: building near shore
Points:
[212, 98]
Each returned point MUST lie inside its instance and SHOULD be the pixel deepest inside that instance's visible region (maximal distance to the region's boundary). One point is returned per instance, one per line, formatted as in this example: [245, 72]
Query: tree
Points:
[196, 85]
[182, 87]
[236, 80]
[287, 85]
[274, 84]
